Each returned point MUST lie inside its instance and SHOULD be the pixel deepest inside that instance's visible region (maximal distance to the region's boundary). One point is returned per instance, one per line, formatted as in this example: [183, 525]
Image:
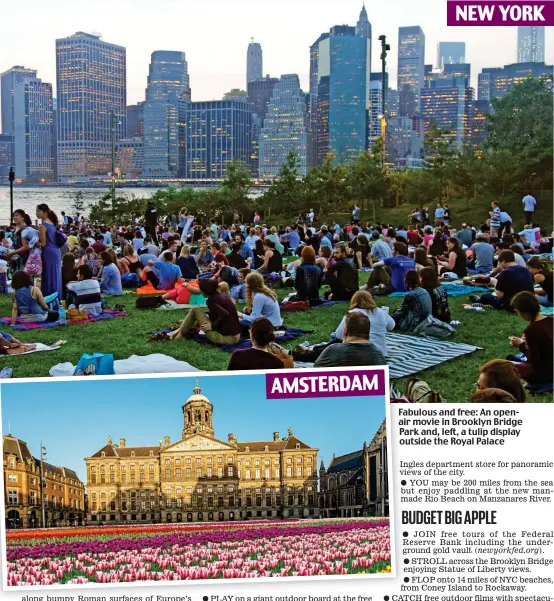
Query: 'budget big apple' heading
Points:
[499, 12]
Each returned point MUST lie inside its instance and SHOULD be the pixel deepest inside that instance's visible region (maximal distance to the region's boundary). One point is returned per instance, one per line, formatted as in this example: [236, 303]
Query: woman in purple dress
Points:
[51, 255]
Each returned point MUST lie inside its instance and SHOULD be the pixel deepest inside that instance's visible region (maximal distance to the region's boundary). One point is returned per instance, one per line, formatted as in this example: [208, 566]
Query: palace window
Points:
[247, 463]
[33, 481]
[178, 472]
[151, 453]
[308, 471]
[220, 472]
[229, 459]
[187, 460]
[112, 477]
[297, 446]
[33, 497]
[299, 460]
[133, 477]
[199, 490]
[168, 461]
[268, 462]
[289, 472]
[123, 468]
[103, 453]
[266, 448]
[179, 491]
[123, 478]
[291, 500]
[210, 501]
[289, 459]
[300, 499]
[189, 472]
[209, 460]
[209, 472]
[198, 460]
[132, 453]
[230, 471]
[258, 463]
[177, 461]
[310, 459]
[112, 467]
[179, 502]
[277, 472]
[268, 473]
[247, 474]
[299, 472]
[199, 472]
[12, 478]
[258, 474]
[13, 497]
[247, 449]
[151, 467]
[12, 464]
[168, 474]
[220, 459]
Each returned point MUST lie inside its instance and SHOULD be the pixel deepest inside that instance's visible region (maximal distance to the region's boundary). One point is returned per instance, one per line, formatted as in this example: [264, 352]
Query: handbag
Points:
[60, 238]
[33, 267]
[76, 315]
[97, 364]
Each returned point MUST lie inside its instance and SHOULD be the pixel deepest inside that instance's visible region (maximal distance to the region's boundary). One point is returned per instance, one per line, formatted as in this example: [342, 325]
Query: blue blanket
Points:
[452, 290]
[245, 343]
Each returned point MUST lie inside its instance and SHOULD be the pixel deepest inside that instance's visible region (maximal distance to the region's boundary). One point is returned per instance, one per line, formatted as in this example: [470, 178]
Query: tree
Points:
[502, 173]
[367, 178]
[235, 188]
[521, 123]
[439, 153]
[286, 191]
[466, 173]
[326, 187]
[78, 205]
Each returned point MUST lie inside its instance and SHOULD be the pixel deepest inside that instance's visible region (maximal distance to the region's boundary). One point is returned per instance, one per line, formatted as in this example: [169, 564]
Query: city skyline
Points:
[141, 421]
[212, 72]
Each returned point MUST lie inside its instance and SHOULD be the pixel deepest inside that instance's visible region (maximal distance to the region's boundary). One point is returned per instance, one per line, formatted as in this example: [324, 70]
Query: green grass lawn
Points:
[128, 336]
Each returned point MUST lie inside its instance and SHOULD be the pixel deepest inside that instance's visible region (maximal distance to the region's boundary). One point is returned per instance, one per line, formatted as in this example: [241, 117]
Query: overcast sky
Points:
[215, 34]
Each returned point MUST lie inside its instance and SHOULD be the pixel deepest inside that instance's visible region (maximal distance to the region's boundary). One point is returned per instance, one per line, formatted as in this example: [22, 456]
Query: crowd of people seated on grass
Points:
[82, 263]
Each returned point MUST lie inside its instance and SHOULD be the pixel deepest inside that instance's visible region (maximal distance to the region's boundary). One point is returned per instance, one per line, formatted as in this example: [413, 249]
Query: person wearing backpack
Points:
[51, 281]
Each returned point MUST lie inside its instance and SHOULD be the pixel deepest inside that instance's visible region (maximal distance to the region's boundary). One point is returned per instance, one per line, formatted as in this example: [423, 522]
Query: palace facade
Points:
[356, 484]
[200, 478]
[63, 492]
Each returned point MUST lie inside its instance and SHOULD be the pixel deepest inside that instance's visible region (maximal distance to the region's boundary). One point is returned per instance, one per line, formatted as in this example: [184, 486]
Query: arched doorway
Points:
[200, 517]
[231, 515]
[221, 516]
[210, 516]
[189, 517]
[80, 520]
[12, 519]
[168, 518]
[33, 521]
[179, 517]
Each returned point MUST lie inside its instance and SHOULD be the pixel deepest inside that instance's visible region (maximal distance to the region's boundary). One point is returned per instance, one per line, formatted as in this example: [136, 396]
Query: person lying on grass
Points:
[10, 346]
[221, 324]
[28, 302]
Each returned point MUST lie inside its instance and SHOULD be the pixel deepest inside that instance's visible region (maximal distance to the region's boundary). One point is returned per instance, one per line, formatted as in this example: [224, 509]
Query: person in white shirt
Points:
[85, 293]
[529, 204]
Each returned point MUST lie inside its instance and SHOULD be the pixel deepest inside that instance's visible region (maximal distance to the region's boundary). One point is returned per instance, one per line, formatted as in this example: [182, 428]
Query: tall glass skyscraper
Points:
[254, 62]
[91, 87]
[530, 44]
[450, 53]
[375, 109]
[285, 128]
[168, 86]
[339, 92]
[34, 123]
[213, 134]
[8, 81]
[6, 154]
[411, 69]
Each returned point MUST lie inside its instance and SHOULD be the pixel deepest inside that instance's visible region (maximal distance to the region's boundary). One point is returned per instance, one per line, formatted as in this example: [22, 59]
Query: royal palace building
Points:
[61, 501]
[356, 484]
[201, 478]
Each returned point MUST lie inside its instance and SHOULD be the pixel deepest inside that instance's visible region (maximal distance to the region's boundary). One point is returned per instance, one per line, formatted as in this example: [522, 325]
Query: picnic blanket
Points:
[540, 388]
[39, 347]
[409, 355]
[33, 325]
[452, 290]
[282, 335]
[157, 363]
[173, 306]
[547, 310]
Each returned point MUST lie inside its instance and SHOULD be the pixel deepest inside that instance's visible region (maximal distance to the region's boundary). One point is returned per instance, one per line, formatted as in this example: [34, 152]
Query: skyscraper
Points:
[254, 62]
[285, 128]
[375, 109]
[33, 128]
[6, 154]
[168, 86]
[260, 93]
[135, 120]
[503, 79]
[212, 135]
[450, 106]
[363, 26]
[530, 44]
[92, 99]
[411, 69]
[484, 84]
[450, 53]
[339, 89]
[8, 81]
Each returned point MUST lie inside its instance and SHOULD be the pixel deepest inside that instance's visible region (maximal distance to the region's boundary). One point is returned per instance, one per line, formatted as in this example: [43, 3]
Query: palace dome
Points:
[197, 395]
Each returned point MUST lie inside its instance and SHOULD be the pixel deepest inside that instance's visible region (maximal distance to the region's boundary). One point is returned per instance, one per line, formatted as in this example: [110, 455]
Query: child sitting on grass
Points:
[28, 303]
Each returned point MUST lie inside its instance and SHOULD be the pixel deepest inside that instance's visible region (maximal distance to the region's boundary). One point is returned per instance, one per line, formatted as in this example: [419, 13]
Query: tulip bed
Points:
[198, 551]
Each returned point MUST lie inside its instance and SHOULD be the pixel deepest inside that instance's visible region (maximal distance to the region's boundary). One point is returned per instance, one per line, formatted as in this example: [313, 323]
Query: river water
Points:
[57, 198]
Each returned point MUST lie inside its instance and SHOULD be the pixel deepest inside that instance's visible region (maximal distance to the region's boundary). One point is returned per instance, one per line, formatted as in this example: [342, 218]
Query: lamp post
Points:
[113, 123]
[42, 483]
[11, 177]
[384, 49]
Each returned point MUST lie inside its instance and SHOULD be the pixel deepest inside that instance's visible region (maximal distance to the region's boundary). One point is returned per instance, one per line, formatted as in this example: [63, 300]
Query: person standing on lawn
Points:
[529, 204]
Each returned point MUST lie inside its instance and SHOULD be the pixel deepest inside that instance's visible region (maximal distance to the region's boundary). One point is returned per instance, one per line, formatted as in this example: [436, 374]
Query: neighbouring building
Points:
[449, 105]
[460, 71]
[484, 85]
[91, 104]
[254, 62]
[285, 129]
[6, 154]
[135, 120]
[356, 484]
[503, 79]
[450, 53]
[340, 67]
[236, 94]
[375, 116]
[130, 157]
[399, 138]
[481, 108]
[411, 69]
[168, 86]
[213, 134]
[29, 118]
[200, 478]
[62, 491]
[530, 44]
